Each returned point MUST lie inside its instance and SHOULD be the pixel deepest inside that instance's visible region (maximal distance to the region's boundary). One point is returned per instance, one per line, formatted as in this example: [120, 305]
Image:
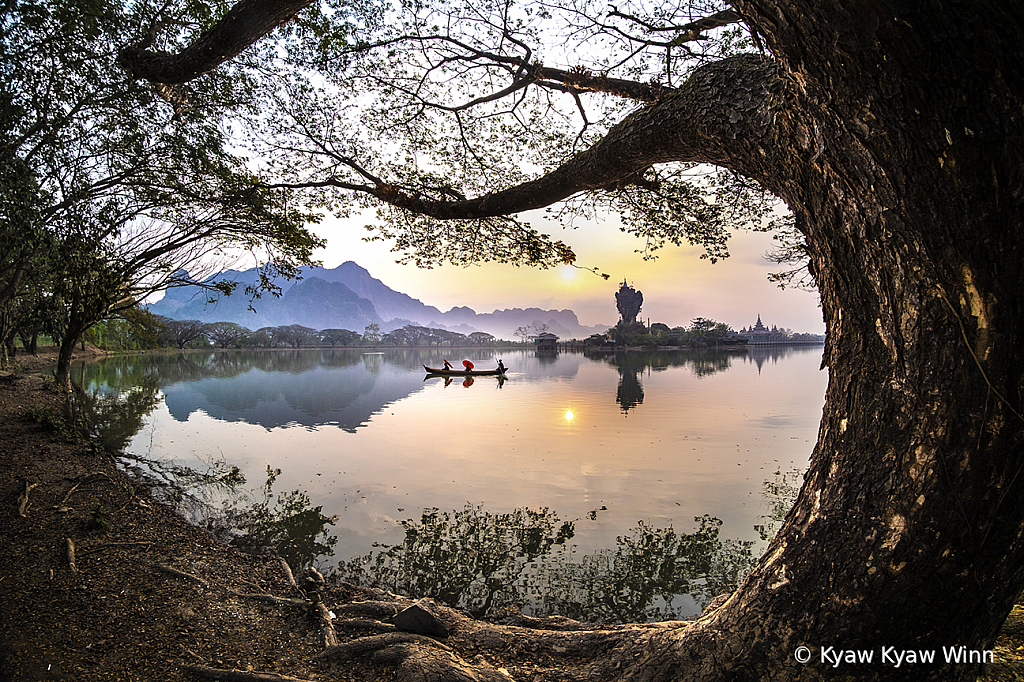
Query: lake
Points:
[601, 486]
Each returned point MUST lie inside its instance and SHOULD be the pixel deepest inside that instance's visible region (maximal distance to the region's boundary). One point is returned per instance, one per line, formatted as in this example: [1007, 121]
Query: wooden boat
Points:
[465, 373]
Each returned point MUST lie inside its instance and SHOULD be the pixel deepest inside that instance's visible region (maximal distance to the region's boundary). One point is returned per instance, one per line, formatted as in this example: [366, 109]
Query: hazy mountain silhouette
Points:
[348, 297]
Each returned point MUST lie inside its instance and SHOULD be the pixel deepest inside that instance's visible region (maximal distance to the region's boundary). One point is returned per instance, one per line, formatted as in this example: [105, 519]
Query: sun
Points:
[569, 415]
[567, 272]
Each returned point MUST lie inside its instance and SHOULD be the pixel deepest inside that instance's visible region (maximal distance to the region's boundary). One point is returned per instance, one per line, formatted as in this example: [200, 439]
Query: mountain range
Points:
[348, 297]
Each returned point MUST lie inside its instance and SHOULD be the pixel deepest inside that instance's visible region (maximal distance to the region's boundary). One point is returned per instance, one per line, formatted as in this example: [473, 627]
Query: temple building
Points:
[760, 335]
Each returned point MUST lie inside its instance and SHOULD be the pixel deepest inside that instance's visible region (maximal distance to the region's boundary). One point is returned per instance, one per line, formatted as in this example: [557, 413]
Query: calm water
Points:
[623, 447]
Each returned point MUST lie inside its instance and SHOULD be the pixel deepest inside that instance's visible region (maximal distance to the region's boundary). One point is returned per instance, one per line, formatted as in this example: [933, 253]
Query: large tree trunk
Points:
[908, 531]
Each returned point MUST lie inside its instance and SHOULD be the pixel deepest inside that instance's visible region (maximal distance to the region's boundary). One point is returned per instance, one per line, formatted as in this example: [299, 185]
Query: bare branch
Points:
[638, 142]
[687, 32]
[584, 81]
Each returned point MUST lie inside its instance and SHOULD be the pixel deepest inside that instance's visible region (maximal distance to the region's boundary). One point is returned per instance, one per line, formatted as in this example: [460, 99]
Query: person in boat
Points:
[468, 365]
[447, 365]
[501, 366]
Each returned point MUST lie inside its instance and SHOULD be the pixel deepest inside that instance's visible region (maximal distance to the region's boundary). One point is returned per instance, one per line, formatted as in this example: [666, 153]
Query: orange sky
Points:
[677, 287]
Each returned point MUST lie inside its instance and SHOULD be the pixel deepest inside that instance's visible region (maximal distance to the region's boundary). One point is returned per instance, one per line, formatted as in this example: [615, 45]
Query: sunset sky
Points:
[677, 287]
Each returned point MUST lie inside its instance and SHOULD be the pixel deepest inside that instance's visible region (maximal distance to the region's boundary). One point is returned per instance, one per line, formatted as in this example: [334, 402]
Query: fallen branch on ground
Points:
[237, 675]
[181, 574]
[23, 498]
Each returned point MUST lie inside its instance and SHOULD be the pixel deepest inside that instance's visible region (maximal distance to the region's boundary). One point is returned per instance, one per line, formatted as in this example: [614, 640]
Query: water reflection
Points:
[288, 526]
[111, 419]
[646, 576]
[779, 494]
[703, 431]
[631, 367]
[466, 382]
[279, 389]
[487, 562]
[201, 494]
[346, 388]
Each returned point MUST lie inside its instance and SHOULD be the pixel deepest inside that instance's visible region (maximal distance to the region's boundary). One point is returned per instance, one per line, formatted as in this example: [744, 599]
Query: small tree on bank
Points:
[114, 193]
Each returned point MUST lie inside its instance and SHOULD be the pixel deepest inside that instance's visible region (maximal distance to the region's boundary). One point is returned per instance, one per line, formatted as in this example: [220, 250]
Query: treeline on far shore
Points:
[702, 332]
[141, 330]
[145, 331]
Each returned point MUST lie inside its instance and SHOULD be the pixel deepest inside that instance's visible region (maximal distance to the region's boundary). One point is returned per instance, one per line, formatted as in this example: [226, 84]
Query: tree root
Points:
[419, 664]
[326, 628]
[416, 658]
[69, 550]
[358, 631]
[364, 645]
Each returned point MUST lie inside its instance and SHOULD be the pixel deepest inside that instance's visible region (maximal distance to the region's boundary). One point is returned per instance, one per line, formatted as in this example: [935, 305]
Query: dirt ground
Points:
[99, 582]
[112, 608]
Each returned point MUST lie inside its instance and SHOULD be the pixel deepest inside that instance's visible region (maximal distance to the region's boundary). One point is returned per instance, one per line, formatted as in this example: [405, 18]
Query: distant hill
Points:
[348, 297]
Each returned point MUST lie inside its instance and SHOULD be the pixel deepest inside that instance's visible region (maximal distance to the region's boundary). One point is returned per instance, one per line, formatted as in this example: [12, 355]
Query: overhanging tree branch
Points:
[246, 22]
[724, 107]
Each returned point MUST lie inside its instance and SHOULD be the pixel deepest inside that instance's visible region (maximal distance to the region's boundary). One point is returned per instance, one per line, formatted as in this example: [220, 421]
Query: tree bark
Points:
[907, 533]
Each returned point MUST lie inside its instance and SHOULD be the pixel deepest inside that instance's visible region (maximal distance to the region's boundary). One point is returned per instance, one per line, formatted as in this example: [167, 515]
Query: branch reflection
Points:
[488, 563]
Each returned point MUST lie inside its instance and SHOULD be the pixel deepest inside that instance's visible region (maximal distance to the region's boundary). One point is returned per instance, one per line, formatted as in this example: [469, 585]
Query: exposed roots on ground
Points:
[423, 641]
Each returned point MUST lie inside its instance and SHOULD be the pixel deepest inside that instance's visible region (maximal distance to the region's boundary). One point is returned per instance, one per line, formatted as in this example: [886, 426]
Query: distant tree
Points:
[415, 335]
[371, 334]
[295, 335]
[704, 331]
[134, 329]
[450, 338]
[180, 333]
[701, 326]
[339, 337]
[481, 338]
[261, 338]
[224, 334]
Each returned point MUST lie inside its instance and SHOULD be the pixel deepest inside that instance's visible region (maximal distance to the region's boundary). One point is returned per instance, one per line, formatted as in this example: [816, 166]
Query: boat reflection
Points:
[466, 382]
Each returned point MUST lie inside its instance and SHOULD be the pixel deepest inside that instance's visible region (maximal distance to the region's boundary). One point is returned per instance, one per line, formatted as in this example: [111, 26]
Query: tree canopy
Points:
[408, 108]
[112, 186]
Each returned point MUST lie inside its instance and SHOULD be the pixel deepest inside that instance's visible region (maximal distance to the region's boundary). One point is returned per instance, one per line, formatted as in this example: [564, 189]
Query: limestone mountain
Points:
[348, 297]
